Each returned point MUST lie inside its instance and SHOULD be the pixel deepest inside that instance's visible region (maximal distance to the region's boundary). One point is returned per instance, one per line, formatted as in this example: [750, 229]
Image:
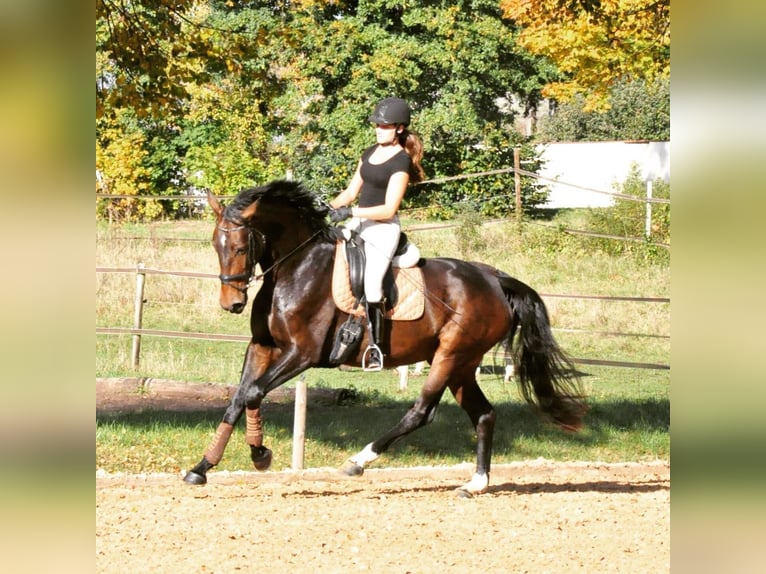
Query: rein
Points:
[249, 276]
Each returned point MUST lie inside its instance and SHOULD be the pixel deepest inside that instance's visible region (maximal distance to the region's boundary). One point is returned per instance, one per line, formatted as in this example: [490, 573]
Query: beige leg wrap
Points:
[214, 452]
[254, 432]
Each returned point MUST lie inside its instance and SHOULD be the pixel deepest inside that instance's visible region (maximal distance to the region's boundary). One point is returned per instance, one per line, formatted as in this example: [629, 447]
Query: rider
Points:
[380, 180]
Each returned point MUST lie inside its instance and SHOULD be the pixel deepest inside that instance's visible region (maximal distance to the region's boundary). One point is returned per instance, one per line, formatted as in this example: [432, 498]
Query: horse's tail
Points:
[547, 378]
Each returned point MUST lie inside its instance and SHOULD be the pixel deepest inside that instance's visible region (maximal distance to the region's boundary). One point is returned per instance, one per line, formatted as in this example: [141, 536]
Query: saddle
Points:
[403, 285]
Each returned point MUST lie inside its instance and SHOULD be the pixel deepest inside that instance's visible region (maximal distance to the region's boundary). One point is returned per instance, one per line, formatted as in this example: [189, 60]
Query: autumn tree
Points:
[595, 43]
[193, 76]
[121, 162]
[147, 52]
[262, 87]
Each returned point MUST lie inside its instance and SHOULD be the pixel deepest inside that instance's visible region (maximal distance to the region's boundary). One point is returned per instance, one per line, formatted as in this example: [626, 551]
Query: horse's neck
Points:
[291, 246]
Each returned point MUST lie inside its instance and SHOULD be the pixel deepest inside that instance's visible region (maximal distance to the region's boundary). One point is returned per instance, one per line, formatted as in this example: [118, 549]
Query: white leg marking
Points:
[478, 484]
[404, 376]
[364, 457]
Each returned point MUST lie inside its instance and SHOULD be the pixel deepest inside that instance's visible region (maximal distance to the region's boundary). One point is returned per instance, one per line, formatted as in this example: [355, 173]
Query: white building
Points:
[580, 167]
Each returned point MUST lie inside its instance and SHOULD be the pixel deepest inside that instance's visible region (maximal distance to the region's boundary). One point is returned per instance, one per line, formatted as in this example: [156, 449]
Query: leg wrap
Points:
[214, 452]
[254, 432]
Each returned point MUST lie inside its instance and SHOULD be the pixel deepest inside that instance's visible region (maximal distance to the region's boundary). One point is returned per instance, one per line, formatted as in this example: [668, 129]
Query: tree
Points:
[262, 87]
[638, 110]
[149, 53]
[194, 76]
[452, 61]
[120, 164]
[146, 52]
[595, 43]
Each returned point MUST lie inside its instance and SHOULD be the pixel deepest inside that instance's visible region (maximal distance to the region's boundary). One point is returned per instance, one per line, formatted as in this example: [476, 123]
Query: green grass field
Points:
[629, 416]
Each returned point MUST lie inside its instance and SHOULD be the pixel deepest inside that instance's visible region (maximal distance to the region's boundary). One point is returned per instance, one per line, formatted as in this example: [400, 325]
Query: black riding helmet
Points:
[391, 111]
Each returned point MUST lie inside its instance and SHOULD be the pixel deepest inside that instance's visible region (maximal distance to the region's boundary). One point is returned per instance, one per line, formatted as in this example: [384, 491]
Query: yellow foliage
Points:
[593, 49]
[119, 163]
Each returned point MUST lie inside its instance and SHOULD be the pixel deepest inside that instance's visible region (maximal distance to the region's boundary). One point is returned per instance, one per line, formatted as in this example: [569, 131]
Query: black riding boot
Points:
[372, 360]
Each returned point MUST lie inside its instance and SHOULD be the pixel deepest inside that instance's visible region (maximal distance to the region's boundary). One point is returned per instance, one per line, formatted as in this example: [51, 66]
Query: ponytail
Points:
[414, 148]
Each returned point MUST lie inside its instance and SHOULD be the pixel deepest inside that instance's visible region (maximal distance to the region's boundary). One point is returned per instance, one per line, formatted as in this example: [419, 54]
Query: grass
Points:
[630, 408]
[626, 422]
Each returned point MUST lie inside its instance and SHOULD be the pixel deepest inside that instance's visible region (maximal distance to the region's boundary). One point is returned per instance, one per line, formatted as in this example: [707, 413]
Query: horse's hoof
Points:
[352, 469]
[262, 459]
[463, 493]
[195, 478]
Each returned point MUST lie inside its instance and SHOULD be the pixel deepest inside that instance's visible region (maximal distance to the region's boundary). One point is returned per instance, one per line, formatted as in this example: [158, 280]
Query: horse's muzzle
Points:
[236, 308]
[232, 300]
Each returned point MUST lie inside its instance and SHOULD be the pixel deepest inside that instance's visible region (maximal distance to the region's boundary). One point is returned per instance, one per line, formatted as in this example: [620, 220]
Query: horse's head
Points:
[239, 247]
[284, 211]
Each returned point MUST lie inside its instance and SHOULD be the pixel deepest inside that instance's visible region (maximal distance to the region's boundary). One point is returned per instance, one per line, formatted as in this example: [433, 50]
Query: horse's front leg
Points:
[259, 454]
[257, 359]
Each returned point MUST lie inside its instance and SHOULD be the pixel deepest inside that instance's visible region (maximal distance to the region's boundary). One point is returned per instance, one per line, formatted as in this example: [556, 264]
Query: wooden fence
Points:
[137, 330]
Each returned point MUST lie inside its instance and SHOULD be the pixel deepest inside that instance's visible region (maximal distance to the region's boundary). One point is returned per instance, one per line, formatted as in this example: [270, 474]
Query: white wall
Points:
[598, 165]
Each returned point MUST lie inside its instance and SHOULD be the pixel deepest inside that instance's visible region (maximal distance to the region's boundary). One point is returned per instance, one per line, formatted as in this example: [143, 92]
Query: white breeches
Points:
[380, 241]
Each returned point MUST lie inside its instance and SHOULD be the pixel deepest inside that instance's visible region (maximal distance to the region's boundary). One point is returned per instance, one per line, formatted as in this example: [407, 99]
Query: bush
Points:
[628, 219]
[468, 232]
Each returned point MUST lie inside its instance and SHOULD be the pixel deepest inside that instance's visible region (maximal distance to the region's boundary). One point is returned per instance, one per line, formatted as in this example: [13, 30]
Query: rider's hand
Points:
[337, 215]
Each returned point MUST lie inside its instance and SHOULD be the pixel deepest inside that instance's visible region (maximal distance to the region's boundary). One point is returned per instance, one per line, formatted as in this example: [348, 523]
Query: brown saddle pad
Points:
[409, 282]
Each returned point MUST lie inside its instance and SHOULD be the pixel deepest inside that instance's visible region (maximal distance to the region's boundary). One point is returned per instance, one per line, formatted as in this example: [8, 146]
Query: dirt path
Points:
[537, 517]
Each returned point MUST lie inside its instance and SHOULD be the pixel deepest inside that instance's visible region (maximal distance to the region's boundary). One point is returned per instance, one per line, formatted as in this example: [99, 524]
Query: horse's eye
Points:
[241, 251]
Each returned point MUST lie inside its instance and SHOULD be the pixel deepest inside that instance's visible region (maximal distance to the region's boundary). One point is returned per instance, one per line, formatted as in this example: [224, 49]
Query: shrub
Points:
[468, 232]
[627, 218]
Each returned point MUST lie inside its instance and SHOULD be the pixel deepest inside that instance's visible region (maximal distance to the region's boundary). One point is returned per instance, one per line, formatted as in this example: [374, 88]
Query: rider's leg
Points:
[380, 241]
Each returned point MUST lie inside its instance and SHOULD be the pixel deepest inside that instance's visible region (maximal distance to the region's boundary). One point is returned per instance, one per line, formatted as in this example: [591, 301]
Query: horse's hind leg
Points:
[420, 414]
[469, 396]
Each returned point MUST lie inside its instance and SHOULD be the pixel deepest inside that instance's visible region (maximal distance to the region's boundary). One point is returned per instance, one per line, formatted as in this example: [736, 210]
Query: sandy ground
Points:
[537, 517]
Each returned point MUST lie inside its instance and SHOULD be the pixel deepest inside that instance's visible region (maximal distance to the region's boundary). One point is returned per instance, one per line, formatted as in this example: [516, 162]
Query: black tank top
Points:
[375, 176]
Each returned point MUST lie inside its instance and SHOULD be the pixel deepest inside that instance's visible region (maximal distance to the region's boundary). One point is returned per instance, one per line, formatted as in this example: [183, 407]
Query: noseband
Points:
[247, 275]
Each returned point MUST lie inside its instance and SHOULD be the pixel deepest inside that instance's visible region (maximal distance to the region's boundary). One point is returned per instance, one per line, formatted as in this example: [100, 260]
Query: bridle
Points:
[248, 275]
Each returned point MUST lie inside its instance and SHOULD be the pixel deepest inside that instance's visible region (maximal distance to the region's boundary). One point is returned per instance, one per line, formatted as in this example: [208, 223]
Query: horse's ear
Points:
[214, 204]
[249, 211]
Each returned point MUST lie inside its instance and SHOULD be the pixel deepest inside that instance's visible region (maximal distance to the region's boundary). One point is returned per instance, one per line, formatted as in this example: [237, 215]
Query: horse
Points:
[469, 309]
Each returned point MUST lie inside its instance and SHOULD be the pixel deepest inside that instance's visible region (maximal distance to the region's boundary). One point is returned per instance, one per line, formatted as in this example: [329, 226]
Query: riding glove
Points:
[340, 214]
[335, 233]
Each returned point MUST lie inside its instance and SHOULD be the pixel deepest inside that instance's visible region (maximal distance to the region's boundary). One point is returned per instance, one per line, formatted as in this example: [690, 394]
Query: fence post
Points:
[517, 181]
[138, 313]
[299, 423]
[648, 230]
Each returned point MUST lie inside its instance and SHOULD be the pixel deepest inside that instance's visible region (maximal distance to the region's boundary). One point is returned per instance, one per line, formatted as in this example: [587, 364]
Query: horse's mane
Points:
[281, 192]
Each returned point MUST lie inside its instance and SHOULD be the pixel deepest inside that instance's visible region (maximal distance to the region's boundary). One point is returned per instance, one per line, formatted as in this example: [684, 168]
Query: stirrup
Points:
[368, 352]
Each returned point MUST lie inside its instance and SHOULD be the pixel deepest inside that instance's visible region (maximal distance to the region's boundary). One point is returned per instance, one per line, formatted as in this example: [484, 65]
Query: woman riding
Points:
[380, 181]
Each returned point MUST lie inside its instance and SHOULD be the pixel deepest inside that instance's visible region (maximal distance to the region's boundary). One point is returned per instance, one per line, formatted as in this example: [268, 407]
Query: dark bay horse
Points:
[469, 309]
